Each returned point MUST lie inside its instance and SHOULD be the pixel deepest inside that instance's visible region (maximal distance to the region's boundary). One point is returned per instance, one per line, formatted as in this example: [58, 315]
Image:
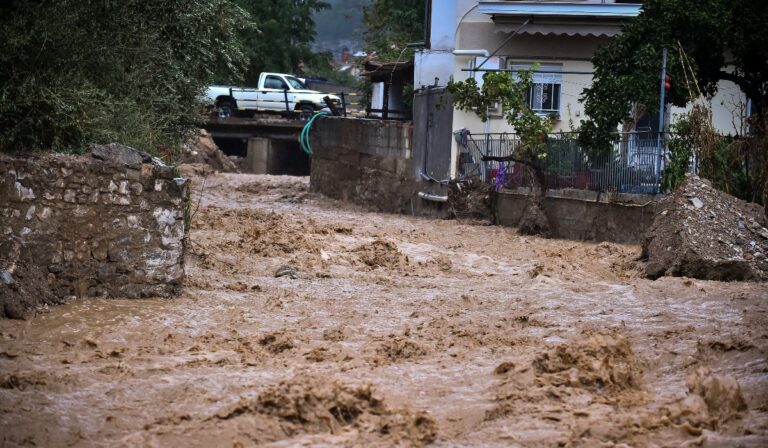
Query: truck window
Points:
[275, 82]
[296, 83]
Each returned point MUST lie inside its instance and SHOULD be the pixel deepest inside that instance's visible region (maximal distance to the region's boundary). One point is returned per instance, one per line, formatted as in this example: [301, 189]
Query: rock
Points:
[6, 277]
[286, 271]
[120, 154]
[697, 202]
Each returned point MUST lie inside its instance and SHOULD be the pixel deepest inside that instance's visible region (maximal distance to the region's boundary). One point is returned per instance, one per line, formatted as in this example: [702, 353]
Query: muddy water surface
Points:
[390, 330]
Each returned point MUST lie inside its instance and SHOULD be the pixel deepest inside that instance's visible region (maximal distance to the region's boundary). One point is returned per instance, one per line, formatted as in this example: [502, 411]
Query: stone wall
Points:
[584, 215]
[111, 227]
[369, 162]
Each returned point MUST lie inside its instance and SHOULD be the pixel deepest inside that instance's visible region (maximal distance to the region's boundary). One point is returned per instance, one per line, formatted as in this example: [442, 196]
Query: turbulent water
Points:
[390, 330]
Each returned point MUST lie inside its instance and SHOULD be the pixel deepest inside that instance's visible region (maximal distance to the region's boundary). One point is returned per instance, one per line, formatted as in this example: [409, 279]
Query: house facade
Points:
[561, 36]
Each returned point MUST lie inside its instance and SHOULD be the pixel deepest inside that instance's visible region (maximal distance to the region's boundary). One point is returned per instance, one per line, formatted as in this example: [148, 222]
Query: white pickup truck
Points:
[276, 92]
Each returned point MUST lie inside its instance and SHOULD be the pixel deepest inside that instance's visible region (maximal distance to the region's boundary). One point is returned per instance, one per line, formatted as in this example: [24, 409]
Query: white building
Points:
[561, 36]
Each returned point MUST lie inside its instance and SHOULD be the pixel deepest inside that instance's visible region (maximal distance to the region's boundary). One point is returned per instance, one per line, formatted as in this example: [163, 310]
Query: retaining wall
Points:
[111, 227]
[369, 162]
[584, 215]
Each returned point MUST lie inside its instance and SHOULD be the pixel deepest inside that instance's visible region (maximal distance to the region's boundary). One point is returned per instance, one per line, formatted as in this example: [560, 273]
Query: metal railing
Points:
[633, 164]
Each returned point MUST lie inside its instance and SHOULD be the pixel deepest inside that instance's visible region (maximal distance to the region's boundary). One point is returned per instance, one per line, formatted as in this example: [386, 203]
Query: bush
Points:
[74, 72]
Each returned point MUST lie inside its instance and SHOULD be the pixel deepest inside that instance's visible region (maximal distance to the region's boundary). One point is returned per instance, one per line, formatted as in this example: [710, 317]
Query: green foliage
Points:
[281, 38]
[73, 72]
[509, 91]
[627, 69]
[738, 166]
[390, 25]
[680, 153]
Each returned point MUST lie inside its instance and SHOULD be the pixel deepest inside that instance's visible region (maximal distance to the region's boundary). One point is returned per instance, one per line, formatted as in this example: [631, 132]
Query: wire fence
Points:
[633, 165]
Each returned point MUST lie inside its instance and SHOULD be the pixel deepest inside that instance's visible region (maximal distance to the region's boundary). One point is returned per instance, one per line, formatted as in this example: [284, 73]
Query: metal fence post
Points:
[344, 104]
[657, 171]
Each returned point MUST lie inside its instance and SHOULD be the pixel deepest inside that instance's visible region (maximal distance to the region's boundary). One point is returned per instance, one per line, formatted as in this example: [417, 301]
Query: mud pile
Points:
[316, 405]
[707, 234]
[24, 286]
[204, 156]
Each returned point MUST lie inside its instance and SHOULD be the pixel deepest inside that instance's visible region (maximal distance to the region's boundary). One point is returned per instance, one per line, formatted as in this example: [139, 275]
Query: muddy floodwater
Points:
[306, 321]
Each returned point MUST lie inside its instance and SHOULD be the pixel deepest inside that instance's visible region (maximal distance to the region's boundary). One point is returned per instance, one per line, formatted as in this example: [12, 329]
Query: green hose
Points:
[304, 137]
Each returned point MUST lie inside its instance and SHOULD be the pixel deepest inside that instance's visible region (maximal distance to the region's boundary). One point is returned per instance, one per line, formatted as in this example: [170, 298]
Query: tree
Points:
[281, 37]
[390, 25]
[74, 72]
[712, 35]
[509, 91]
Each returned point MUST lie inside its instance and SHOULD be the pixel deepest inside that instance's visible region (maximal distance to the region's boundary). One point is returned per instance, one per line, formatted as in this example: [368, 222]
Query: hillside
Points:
[340, 26]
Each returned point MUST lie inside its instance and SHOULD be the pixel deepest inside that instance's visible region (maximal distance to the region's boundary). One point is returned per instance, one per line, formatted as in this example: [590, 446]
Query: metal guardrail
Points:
[633, 165]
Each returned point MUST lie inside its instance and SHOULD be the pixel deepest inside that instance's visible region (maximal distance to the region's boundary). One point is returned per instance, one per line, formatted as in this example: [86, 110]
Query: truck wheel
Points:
[307, 111]
[225, 108]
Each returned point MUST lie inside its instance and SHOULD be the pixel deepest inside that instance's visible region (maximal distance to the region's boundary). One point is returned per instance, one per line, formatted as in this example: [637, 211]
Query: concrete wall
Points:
[97, 228]
[368, 162]
[584, 215]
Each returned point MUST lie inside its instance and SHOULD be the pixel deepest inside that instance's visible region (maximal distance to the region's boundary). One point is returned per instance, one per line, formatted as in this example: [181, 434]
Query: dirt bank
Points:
[390, 330]
[703, 233]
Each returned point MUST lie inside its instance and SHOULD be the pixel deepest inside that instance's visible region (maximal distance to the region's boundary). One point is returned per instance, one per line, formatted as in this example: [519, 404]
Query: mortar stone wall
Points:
[96, 227]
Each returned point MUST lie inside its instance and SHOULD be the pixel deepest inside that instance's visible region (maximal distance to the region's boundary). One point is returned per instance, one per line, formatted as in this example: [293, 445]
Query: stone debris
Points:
[202, 151]
[707, 234]
[697, 202]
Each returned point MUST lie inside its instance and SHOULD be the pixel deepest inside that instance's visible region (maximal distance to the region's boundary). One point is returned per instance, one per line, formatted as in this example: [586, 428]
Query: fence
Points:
[633, 165]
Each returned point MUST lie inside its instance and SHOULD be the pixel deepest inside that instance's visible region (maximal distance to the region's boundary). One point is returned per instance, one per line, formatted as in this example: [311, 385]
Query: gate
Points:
[432, 136]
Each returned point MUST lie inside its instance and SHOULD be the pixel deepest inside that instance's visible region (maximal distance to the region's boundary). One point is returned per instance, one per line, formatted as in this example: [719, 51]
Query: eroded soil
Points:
[390, 330]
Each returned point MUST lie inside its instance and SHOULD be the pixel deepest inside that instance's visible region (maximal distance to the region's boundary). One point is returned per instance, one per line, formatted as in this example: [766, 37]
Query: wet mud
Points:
[390, 331]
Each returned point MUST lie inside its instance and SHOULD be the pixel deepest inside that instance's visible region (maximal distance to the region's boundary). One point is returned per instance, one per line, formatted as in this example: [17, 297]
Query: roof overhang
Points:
[565, 9]
[385, 71]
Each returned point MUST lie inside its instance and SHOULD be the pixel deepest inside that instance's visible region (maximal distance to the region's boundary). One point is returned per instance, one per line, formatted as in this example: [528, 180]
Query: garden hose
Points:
[304, 137]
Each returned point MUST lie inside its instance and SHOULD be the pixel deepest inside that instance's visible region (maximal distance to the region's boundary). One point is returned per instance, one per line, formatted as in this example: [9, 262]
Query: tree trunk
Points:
[534, 220]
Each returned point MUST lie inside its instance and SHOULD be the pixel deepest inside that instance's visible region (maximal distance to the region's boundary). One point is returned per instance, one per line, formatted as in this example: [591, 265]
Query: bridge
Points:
[269, 144]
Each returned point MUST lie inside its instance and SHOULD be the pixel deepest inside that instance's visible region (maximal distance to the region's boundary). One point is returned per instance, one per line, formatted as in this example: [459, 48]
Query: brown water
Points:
[394, 331]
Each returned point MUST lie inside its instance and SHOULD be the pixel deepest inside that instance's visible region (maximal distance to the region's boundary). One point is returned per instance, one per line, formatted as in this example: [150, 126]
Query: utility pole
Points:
[661, 117]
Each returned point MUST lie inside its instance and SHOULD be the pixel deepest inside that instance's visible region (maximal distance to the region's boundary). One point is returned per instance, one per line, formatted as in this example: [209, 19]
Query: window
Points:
[296, 83]
[274, 82]
[544, 96]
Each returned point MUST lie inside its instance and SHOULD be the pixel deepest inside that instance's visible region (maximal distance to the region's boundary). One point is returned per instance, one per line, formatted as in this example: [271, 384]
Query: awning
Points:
[573, 9]
[561, 29]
